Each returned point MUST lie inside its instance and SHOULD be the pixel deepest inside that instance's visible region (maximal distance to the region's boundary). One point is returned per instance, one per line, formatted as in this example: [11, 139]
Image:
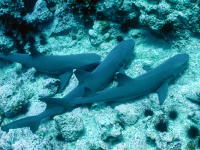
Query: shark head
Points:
[126, 51]
[180, 62]
[128, 46]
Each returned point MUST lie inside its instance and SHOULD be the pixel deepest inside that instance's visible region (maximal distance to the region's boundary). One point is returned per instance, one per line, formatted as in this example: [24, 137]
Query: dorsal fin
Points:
[122, 79]
[81, 75]
[64, 80]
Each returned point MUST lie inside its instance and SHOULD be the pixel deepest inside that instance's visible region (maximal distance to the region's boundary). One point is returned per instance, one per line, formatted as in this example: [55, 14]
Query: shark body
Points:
[89, 82]
[60, 65]
[155, 80]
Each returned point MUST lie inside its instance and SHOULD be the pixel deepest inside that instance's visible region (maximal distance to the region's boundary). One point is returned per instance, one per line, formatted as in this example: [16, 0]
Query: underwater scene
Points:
[99, 74]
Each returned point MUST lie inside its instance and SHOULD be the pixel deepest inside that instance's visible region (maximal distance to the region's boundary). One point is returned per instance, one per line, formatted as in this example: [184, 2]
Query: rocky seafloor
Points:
[160, 28]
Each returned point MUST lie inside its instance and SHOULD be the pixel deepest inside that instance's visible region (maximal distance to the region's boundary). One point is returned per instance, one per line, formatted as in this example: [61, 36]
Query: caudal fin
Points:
[54, 107]
[33, 122]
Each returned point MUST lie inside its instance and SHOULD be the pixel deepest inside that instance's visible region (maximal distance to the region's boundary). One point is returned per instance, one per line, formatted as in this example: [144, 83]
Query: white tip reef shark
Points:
[59, 65]
[156, 80]
[89, 83]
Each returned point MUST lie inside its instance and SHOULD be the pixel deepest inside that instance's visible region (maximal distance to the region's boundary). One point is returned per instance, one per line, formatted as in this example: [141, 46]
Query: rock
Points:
[166, 18]
[29, 75]
[29, 5]
[90, 145]
[8, 7]
[175, 145]
[12, 102]
[109, 9]
[18, 104]
[40, 14]
[6, 44]
[97, 145]
[194, 117]
[112, 134]
[164, 138]
[127, 114]
[122, 12]
[50, 87]
[99, 33]
[64, 23]
[193, 95]
[69, 126]
[14, 91]
[110, 129]
[22, 139]
[150, 15]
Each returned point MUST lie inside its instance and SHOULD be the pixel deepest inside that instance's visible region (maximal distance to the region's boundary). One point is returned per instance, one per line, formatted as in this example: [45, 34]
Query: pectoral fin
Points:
[34, 125]
[162, 92]
[64, 80]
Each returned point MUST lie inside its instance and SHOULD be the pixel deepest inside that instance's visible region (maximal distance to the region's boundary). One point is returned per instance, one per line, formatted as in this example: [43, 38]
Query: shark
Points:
[59, 65]
[89, 83]
[155, 80]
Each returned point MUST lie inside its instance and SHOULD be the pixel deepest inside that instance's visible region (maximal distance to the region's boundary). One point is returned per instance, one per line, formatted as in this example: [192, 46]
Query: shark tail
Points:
[33, 122]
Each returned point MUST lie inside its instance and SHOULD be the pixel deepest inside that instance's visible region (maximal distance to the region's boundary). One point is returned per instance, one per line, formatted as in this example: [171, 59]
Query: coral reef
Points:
[110, 129]
[64, 23]
[127, 114]
[14, 98]
[20, 140]
[160, 29]
[70, 126]
[40, 14]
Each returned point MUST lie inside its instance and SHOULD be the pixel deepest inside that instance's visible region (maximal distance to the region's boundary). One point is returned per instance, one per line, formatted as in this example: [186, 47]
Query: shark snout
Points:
[184, 57]
[130, 43]
[180, 61]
